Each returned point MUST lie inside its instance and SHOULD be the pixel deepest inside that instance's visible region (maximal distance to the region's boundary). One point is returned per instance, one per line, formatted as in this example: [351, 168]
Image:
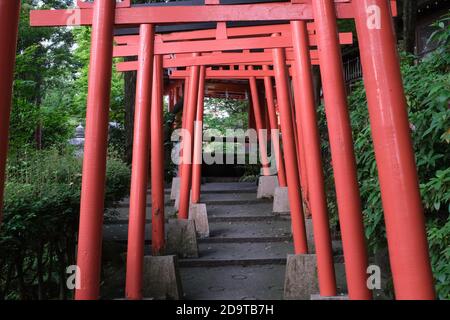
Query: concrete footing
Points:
[175, 188]
[301, 277]
[198, 213]
[266, 187]
[161, 279]
[319, 297]
[281, 200]
[182, 238]
[310, 235]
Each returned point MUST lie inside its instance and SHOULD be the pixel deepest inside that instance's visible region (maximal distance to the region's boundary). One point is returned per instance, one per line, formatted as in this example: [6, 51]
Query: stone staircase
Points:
[245, 255]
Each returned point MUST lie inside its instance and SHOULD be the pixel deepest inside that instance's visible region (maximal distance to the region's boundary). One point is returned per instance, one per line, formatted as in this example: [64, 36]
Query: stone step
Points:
[235, 252]
[200, 263]
[216, 219]
[258, 210]
[218, 230]
[242, 282]
[237, 210]
[260, 282]
[214, 198]
[253, 229]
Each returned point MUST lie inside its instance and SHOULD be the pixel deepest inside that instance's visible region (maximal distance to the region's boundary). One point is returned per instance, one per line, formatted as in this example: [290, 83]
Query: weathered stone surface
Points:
[182, 238]
[310, 235]
[266, 187]
[319, 297]
[301, 277]
[175, 188]
[281, 200]
[161, 278]
[198, 213]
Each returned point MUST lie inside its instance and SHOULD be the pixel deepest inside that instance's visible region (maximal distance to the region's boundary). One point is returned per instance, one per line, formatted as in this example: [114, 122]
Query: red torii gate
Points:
[325, 264]
[387, 107]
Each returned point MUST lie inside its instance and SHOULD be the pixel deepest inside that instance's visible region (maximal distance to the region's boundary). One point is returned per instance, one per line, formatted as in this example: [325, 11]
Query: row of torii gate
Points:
[275, 52]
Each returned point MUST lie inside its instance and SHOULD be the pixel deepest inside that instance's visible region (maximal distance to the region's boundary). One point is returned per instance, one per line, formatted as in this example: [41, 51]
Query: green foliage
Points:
[43, 79]
[82, 53]
[223, 114]
[41, 213]
[427, 89]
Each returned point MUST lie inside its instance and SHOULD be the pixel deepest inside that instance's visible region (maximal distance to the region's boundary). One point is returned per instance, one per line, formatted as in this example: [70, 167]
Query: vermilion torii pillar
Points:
[94, 161]
[198, 140]
[403, 212]
[262, 139]
[342, 153]
[157, 159]
[290, 153]
[299, 134]
[187, 143]
[273, 120]
[9, 22]
[140, 165]
[313, 158]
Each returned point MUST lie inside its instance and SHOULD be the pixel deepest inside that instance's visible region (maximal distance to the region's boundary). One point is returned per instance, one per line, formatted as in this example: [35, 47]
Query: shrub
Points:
[41, 213]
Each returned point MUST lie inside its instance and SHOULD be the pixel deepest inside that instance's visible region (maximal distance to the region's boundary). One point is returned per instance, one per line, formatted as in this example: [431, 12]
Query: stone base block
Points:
[266, 187]
[198, 213]
[281, 200]
[182, 238]
[319, 297]
[161, 279]
[310, 235]
[175, 188]
[301, 277]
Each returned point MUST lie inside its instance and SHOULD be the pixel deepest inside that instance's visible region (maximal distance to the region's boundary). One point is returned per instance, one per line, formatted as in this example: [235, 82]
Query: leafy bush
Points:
[41, 213]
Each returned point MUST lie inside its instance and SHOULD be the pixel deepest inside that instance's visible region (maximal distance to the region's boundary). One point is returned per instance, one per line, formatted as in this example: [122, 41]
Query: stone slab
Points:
[310, 235]
[281, 200]
[301, 277]
[266, 187]
[261, 282]
[161, 279]
[182, 238]
[175, 188]
[199, 214]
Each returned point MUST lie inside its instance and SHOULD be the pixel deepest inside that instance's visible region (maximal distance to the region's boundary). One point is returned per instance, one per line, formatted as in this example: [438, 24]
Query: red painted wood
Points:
[187, 14]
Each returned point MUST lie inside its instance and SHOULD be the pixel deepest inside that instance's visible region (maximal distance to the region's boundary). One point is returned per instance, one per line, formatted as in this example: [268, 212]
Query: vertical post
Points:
[157, 159]
[198, 140]
[313, 157]
[403, 212]
[183, 119]
[139, 175]
[94, 162]
[259, 125]
[342, 153]
[303, 167]
[290, 154]
[9, 22]
[186, 173]
[273, 121]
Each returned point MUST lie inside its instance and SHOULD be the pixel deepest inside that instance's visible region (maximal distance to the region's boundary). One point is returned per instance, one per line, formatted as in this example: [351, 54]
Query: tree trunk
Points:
[130, 98]
[317, 83]
[409, 25]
